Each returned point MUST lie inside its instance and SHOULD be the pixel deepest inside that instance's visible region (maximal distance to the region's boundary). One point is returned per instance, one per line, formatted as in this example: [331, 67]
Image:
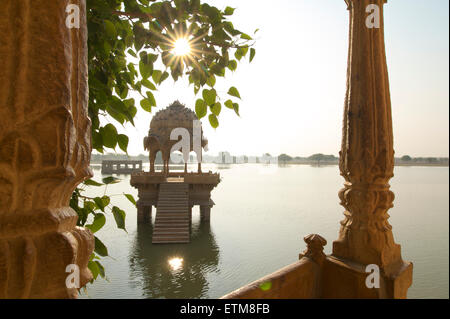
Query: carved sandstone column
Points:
[44, 148]
[367, 154]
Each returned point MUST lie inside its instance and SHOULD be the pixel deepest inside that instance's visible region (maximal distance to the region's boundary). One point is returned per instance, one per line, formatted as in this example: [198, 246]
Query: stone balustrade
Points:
[300, 280]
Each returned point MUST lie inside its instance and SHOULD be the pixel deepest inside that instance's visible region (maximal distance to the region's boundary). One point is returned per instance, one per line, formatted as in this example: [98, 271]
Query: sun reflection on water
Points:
[175, 263]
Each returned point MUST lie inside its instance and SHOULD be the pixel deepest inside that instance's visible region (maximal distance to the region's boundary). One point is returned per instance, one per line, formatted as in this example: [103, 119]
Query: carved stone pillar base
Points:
[35, 250]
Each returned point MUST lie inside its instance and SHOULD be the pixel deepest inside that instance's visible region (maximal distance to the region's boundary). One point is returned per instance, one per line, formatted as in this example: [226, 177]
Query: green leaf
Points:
[109, 135]
[145, 69]
[148, 84]
[246, 36]
[106, 200]
[156, 76]
[152, 57]
[131, 198]
[213, 120]
[229, 104]
[110, 29]
[238, 54]
[110, 180]
[119, 216]
[236, 108]
[97, 141]
[228, 11]
[151, 98]
[98, 222]
[93, 267]
[211, 80]
[200, 108]
[101, 269]
[216, 108]
[252, 54]
[132, 53]
[90, 206]
[164, 76]
[234, 92]
[122, 140]
[117, 115]
[99, 202]
[209, 96]
[146, 105]
[100, 248]
[232, 65]
[91, 182]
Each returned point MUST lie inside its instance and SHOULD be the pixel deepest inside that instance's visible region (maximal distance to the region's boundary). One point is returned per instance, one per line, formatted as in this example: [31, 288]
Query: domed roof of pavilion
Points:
[175, 114]
[163, 123]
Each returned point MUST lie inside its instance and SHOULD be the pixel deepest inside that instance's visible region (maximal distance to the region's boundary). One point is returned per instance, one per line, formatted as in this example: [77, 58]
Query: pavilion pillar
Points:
[205, 213]
[144, 214]
[45, 148]
[367, 165]
[166, 158]
[152, 157]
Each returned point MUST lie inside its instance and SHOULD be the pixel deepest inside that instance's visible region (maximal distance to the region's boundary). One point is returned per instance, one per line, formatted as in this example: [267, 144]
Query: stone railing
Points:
[160, 177]
[300, 280]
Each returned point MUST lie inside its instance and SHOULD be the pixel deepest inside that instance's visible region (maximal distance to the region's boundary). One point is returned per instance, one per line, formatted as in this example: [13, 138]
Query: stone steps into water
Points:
[173, 218]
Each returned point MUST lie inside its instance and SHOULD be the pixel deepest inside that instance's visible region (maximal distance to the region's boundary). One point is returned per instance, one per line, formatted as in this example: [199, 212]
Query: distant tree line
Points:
[98, 158]
[406, 159]
[318, 159]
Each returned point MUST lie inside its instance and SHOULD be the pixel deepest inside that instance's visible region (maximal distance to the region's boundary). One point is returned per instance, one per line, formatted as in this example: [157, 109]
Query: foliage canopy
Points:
[145, 31]
[130, 48]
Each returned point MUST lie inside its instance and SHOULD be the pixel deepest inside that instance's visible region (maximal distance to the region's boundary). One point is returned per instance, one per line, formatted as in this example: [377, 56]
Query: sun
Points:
[181, 47]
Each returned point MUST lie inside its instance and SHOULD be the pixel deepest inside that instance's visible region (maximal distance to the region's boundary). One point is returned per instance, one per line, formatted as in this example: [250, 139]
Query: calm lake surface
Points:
[257, 226]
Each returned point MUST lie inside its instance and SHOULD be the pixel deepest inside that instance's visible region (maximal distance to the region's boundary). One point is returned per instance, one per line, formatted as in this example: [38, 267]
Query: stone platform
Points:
[173, 194]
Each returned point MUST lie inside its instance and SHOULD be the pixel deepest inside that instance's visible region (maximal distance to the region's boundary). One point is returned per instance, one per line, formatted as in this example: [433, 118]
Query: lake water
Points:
[257, 226]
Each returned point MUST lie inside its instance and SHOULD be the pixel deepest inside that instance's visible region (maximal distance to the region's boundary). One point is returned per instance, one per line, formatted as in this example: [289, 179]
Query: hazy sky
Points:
[293, 91]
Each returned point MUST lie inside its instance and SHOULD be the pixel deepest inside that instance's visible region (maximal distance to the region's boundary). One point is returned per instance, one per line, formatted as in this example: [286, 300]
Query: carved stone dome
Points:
[176, 115]
[164, 122]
